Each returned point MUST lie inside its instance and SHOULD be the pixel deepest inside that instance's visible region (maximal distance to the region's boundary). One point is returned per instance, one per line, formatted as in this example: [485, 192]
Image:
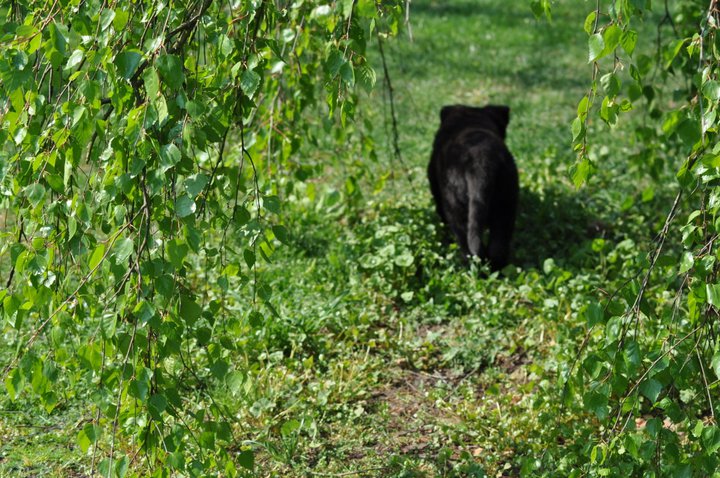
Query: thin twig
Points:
[36, 333]
[661, 242]
[651, 367]
[408, 26]
[707, 389]
[393, 114]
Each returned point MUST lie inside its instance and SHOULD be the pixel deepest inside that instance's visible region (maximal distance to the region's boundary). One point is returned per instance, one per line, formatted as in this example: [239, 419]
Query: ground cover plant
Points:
[220, 257]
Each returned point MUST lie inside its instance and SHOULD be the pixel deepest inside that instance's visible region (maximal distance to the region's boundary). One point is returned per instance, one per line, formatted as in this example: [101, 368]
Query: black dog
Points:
[474, 180]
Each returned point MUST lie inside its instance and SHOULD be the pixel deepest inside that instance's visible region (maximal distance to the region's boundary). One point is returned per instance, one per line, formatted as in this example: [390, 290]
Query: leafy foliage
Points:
[155, 158]
[134, 140]
[647, 365]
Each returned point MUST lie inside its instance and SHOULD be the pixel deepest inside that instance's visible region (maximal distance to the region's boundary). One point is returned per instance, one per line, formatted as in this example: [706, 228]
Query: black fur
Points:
[474, 180]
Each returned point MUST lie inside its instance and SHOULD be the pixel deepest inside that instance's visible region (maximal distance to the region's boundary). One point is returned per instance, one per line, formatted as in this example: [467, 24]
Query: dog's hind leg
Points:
[502, 219]
[499, 243]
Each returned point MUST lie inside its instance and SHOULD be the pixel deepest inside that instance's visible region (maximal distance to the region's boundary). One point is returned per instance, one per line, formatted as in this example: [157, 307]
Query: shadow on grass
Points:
[550, 224]
[553, 224]
[311, 243]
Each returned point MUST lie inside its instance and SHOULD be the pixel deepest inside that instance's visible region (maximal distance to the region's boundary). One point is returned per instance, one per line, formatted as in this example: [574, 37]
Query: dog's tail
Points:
[477, 212]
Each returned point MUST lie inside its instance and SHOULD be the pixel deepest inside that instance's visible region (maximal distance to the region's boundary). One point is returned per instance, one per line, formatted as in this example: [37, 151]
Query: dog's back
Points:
[474, 180]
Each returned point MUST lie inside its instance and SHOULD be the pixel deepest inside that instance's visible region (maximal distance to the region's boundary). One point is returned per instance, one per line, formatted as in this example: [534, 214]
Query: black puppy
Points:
[474, 180]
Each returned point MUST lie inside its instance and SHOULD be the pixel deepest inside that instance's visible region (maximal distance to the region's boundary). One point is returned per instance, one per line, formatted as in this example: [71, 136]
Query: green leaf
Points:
[289, 427]
[711, 90]
[715, 363]
[195, 109]
[596, 402]
[203, 335]
[190, 311]
[686, 262]
[97, 256]
[75, 59]
[220, 368]
[249, 257]
[583, 107]
[195, 184]
[185, 206]
[192, 237]
[346, 7]
[366, 8]
[689, 132]
[139, 389]
[697, 429]
[144, 311]
[366, 77]
[255, 319]
[347, 74]
[235, 381]
[56, 44]
[651, 389]
[272, 204]
[628, 41]
[127, 62]
[246, 459]
[161, 107]
[264, 292]
[241, 216]
[589, 25]
[176, 460]
[17, 100]
[226, 46]
[540, 7]
[121, 19]
[405, 259]
[611, 84]
[165, 286]
[672, 122]
[106, 18]
[170, 155]
[577, 128]
[11, 304]
[14, 383]
[672, 53]
[88, 436]
[611, 37]
[582, 172]
[334, 62]
[177, 250]
[170, 68]
[594, 314]
[596, 45]
[108, 325]
[711, 439]
[35, 194]
[152, 82]
[713, 294]
[249, 82]
[156, 406]
[281, 234]
[121, 466]
[632, 355]
[123, 249]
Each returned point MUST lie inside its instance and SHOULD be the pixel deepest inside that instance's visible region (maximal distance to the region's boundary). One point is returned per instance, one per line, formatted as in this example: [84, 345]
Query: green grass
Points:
[387, 356]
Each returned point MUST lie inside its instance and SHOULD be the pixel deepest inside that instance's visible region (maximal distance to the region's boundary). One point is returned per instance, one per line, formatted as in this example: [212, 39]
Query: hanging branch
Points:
[393, 114]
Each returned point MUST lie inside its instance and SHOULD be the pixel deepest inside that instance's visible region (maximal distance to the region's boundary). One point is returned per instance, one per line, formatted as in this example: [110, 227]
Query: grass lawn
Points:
[386, 356]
